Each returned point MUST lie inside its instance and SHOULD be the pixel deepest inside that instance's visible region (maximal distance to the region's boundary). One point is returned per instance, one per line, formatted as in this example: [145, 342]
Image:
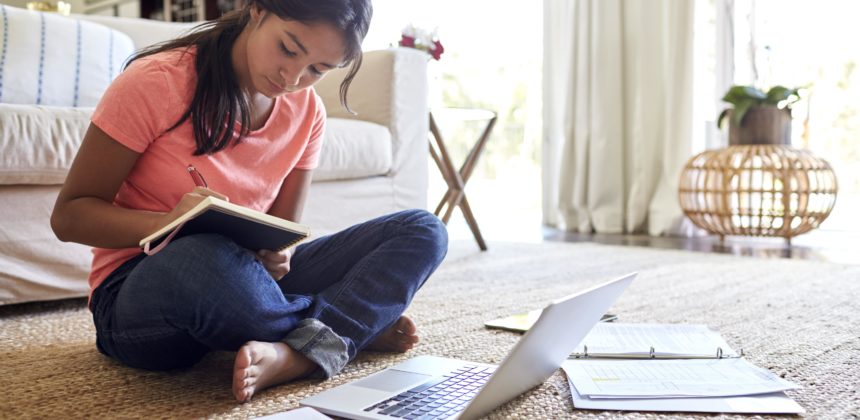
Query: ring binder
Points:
[652, 354]
[653, 341]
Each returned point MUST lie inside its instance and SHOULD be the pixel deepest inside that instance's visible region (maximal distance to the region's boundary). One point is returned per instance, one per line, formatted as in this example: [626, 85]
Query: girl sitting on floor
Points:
[234, 100]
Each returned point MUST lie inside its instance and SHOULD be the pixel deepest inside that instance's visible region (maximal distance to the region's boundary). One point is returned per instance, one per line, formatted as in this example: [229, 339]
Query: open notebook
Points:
[249, 228]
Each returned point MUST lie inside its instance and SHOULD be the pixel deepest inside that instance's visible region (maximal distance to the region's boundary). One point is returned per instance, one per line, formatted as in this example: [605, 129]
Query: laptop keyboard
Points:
[440, 397]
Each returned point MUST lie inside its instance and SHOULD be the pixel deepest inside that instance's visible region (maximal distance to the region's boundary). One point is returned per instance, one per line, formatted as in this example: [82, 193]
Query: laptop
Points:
[430, 387]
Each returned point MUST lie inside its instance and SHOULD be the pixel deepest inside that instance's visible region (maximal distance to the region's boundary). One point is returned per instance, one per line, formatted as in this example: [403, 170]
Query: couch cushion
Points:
[353, 149]
[49, 59]
[38, 144]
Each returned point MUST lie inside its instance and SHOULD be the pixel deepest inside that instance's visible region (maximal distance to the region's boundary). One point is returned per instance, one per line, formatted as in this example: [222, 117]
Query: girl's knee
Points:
[431, 230]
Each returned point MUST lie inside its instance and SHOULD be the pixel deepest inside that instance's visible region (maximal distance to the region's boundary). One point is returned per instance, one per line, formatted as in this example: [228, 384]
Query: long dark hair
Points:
[217, 97]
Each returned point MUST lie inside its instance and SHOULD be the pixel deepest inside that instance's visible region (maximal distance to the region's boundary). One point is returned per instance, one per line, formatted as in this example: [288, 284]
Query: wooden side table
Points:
[456, 180]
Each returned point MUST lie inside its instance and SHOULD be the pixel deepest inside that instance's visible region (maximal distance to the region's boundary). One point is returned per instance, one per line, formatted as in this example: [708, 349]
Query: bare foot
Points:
[259, 365]
[400, 337]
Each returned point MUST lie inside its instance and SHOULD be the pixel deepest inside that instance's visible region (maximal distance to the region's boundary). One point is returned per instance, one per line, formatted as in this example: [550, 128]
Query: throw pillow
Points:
[48, 59]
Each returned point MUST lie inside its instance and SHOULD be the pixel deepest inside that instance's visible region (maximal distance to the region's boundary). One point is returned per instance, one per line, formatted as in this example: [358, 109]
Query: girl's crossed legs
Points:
[345, 292]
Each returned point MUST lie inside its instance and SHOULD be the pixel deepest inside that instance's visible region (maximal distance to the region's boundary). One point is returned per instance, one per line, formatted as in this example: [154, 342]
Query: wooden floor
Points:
[832, 246]
[819, 245]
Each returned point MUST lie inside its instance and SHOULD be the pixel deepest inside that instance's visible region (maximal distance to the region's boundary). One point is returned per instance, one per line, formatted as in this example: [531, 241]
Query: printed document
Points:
[604, 378]
[774, 403]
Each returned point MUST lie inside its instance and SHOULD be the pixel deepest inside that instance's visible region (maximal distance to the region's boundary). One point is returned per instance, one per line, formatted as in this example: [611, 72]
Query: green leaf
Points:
[722, 117]
[778, 94]
[741, 110]
[738, 94]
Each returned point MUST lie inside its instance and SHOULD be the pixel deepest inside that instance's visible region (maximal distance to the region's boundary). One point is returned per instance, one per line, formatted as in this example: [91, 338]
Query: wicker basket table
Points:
[757, 190]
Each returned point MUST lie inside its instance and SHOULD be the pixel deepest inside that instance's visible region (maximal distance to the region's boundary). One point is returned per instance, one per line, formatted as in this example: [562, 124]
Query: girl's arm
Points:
[288, 205]
[291, 199]
[84, 211]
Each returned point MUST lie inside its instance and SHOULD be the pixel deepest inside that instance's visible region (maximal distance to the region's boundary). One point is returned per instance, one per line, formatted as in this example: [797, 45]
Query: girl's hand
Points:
[188, 201]
[277, 263]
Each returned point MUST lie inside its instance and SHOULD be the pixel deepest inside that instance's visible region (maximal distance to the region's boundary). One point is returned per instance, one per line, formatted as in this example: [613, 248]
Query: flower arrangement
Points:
[745, 97]
[420, 39]
[759, 117]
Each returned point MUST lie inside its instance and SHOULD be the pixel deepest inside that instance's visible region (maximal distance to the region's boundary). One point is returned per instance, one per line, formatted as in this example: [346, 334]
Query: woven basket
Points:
[757, 190]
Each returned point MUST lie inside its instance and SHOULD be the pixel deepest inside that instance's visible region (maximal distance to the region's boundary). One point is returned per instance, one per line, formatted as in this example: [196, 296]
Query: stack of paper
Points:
[691, 382]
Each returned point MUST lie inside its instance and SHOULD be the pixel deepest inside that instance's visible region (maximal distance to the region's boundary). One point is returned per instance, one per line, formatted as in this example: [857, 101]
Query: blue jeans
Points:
[204, 292]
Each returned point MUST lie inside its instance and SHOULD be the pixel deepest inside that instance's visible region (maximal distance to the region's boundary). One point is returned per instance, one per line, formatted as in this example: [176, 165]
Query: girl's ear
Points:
[257, 15]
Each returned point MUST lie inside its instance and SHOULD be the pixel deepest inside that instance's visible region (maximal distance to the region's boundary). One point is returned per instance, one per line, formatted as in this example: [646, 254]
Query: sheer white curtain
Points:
[617, 113]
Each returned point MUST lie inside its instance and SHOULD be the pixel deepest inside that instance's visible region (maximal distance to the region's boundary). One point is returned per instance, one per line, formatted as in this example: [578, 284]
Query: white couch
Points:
[371, 164]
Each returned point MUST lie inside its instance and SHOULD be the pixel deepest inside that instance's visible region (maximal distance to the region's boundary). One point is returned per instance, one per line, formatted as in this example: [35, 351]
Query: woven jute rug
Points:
[799, 319]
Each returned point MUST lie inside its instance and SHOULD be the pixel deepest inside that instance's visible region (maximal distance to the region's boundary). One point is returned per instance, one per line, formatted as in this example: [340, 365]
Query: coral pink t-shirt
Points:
[149, 97]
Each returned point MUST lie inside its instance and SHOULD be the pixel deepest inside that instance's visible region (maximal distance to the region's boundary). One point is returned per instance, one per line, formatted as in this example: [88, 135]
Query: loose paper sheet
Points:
[777, 402]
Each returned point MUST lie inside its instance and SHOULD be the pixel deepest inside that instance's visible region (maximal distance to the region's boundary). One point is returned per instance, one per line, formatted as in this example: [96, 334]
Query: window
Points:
[810, 44]
[492, 60]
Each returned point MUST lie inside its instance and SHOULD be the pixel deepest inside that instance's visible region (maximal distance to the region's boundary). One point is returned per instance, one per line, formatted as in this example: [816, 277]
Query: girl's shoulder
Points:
[173, 70]
[177, 59]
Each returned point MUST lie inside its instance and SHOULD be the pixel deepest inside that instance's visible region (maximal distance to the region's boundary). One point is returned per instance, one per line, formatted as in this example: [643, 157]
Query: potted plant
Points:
[758, 117]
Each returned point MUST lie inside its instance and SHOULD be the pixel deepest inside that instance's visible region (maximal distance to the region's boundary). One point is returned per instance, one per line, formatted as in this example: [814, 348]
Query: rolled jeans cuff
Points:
[318, 342]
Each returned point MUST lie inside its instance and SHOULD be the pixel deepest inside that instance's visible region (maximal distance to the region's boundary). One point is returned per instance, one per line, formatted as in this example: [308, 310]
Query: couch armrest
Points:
[143, 32]
[390, 89]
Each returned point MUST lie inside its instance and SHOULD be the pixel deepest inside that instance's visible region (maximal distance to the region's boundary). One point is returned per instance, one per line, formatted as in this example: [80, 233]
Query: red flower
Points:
[412, 37]
[407, 41]
[437, 50]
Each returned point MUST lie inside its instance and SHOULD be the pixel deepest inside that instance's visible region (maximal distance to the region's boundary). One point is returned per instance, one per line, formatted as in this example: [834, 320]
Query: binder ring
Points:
[719, 352]
[651, 353]
[584, 351]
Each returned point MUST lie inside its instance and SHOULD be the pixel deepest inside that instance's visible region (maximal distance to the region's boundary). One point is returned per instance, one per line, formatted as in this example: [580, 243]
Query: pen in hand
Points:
[197, 177]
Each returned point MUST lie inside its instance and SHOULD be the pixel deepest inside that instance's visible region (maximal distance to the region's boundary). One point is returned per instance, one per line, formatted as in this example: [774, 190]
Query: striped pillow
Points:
[48, 59]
